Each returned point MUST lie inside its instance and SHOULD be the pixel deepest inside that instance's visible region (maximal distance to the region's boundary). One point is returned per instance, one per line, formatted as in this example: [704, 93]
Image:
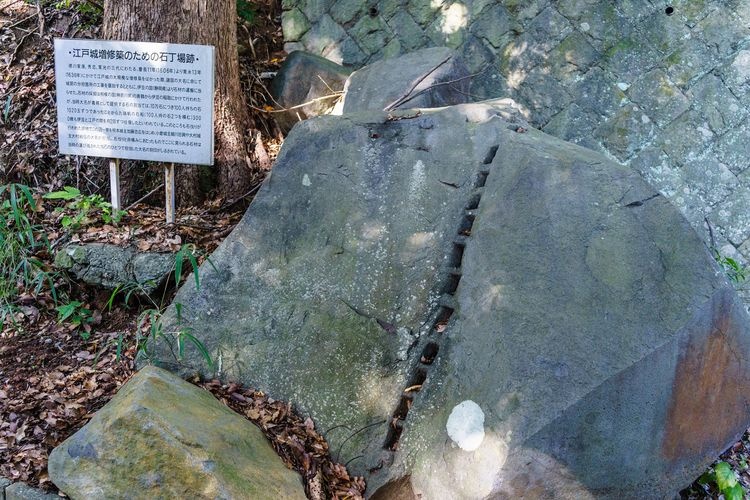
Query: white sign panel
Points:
[135, 100]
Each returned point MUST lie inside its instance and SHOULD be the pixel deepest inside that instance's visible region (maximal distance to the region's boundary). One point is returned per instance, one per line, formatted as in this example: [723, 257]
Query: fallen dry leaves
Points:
[295, 440]
[51, 382]
[28, 118]
[144, 227]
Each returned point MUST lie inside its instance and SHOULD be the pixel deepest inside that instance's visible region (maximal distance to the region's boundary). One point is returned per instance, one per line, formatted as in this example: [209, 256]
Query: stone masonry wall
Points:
[661, 86]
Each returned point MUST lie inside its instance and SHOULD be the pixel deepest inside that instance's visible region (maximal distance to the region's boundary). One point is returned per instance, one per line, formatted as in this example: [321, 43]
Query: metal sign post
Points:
[138, 101]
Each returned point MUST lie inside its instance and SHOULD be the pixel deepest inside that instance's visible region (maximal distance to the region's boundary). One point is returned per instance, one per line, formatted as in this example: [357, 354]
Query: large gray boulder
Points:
[308, 84]
[476, 309]
[162, 437]
[427, 78]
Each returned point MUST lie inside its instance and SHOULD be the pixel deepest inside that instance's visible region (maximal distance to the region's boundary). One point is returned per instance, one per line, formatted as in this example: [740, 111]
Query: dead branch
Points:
[40, 16]
[419, 80]
[145, 196]
[19, 22]
[317, 99]
[440, 84]
[15, 51]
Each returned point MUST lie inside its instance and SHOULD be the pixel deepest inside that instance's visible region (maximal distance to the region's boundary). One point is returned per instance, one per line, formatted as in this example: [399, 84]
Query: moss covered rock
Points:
[162, 437]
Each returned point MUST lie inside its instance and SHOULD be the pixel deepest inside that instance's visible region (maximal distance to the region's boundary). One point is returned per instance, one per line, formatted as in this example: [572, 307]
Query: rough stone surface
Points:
[162, 437]
[420, 75]
[4, 483]
[110, 266]
[593, 360]
[306, 78]
[452, 262]
[21, 491]
[327, 282]
[295, 25]
[581, 65]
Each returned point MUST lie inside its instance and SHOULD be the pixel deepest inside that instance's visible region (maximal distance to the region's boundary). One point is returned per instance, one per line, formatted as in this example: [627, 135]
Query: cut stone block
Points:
[478, 310]
[112, 266]
[430, 77]
[22, 491]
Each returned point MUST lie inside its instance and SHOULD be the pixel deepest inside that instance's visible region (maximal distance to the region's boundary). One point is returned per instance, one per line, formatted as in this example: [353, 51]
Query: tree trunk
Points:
[204, 22]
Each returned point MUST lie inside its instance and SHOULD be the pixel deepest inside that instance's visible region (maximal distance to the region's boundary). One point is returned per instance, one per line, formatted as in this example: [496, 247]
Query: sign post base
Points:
[169, 191]
[114, 183]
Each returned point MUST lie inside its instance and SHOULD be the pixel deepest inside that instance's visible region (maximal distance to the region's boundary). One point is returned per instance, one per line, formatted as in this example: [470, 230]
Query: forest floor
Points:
[56, 371]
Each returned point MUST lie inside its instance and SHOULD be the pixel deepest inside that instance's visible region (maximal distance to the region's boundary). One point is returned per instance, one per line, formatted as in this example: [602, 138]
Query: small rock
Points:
[21, 491]
[111, 266]
[294, 24]
[4, 483]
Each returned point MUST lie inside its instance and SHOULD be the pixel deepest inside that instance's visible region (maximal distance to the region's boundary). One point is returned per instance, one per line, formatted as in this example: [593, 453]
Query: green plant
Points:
[736, 272]
[246, 11]
[20, 241]
[77, 315]
[91, 10]
[174, 340]
[725, 480]
[187, 252]
[190, 253]
[79, 208]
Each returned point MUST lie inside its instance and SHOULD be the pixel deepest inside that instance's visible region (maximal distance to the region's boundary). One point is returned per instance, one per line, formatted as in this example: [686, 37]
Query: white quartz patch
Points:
[417, 181]
[306, 180]
[465, 425]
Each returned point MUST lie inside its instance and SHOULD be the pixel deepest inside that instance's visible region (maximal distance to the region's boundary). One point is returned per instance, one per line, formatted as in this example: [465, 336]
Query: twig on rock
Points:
[440, 84]
[253, 190]
[40, 16]
[313, 101]
[419, 80]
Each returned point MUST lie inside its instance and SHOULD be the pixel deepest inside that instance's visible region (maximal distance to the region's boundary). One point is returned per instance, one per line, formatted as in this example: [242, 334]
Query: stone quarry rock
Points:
[162, 437]
[303, 78]
[430, 78]
[110, 266]
[4, 483]
[332, 272]
[21, 491]
[477, 309]
[580, 67]
[591, 332]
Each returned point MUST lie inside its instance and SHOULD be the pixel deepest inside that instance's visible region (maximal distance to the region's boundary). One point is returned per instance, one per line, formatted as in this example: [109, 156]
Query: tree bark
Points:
[204, 22]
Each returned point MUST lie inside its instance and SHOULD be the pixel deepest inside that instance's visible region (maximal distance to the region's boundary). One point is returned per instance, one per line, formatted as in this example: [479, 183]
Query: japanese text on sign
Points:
[135, 100]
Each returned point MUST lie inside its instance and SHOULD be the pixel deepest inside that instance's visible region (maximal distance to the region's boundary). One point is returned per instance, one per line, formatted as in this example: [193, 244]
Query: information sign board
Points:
[135, 100]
